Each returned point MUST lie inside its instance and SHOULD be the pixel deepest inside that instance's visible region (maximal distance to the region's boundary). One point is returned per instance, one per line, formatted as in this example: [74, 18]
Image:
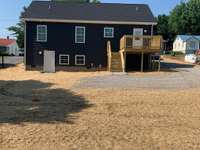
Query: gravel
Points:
[178, 76]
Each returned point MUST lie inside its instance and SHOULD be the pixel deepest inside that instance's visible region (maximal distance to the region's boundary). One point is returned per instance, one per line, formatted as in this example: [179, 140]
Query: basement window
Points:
[63, 59]
[80, 60]
[41, 33]
[108, 32]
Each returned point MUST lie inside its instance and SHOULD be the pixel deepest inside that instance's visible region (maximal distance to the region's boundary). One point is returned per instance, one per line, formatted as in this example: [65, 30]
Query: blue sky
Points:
[10, 10]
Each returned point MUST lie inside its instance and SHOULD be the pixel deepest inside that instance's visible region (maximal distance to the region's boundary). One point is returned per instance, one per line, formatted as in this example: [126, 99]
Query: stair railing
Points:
[122, 60]
[109, 54]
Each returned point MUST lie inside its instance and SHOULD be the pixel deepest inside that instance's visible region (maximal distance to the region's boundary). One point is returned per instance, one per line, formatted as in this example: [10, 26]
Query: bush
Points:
[176, 53]
[168, 52]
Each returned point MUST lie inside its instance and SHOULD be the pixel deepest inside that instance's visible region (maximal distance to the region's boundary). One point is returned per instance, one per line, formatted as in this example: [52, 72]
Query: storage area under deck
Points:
[133, 62]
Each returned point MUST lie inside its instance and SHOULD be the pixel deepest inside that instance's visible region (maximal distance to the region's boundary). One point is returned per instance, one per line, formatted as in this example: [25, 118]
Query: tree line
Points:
[184, 19]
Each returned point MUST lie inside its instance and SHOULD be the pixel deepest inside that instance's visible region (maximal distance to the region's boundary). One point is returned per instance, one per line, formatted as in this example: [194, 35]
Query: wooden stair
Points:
[116, 63]
[115, 60]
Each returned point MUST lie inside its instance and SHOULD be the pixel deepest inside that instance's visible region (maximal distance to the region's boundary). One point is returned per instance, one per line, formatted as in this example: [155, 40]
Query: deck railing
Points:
[141, 43]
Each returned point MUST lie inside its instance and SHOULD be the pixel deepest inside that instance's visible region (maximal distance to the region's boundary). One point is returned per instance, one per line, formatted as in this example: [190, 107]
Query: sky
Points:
[10, 10]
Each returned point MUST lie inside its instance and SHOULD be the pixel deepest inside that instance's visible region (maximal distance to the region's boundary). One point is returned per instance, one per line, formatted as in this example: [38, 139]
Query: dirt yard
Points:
[45, 112]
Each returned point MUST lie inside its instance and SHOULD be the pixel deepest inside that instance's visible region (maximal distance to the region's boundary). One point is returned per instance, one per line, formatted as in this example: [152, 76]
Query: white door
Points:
[138, 41]
[49, 61]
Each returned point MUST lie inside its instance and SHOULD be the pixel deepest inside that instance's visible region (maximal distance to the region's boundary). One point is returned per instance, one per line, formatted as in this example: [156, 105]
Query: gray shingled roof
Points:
[89, 12]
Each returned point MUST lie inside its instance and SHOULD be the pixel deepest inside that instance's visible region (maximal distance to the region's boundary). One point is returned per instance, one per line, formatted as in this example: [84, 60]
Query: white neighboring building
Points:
[9, 46]
[186, 44]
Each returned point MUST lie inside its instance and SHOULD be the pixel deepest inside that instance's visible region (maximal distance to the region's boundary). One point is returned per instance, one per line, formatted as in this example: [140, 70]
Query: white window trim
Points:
[113, 32]
[60, 63]
[76, 34]
[76, 60]
[45, 34]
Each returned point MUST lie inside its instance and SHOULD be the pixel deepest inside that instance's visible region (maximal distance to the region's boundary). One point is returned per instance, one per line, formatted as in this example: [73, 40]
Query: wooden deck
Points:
[133, 44]
[139, 44]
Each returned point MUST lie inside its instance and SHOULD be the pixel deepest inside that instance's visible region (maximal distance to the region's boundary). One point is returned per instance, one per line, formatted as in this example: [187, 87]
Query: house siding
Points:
[183, 46]
[61, 39]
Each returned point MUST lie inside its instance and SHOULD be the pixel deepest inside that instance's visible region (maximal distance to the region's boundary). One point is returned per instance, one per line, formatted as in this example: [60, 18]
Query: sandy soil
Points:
[41, 111]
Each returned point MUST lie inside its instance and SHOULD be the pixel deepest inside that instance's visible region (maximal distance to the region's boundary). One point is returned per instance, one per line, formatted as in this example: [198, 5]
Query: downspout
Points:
[152, 29]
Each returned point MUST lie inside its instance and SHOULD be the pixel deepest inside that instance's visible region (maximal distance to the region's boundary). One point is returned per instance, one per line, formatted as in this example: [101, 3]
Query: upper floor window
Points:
[79, 34]
[108, 32]
[41, 33]
[138, 31]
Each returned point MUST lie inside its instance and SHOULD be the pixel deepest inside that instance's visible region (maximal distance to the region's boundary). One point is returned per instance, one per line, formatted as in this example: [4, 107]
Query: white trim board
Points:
[89, 21]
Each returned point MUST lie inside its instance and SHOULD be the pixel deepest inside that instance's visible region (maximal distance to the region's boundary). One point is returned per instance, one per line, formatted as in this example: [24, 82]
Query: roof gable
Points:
[89, 12]
[184, 38]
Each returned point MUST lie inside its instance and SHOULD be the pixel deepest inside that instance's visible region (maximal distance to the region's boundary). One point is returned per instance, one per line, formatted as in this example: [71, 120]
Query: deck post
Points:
[142, 61]
[149, 61]
[159, 64]
[124, 61]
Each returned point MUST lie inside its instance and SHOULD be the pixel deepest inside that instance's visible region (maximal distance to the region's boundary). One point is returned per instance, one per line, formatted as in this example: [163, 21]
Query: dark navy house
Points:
[79, 32]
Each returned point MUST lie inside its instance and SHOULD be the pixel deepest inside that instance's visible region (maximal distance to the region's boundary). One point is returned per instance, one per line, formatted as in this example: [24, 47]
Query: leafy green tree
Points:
[162, 27]
[178, 19]
[193, 17]
[185, 18]
[18, 32]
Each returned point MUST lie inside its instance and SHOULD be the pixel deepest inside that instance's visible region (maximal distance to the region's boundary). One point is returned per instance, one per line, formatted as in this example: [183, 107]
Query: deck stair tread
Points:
[116, 65]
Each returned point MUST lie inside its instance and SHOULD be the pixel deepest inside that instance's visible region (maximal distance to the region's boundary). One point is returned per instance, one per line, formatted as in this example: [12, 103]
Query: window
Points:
[138, 31]
[108, 32]
[80, 60]
[41, 33]
[79, 34]
[63, 59]
[192, 45]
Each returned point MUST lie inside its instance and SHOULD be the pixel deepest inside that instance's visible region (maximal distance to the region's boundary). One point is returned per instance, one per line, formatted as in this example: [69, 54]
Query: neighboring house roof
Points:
[105, 12]
[184, 38]
[6, 42]
[198, 37]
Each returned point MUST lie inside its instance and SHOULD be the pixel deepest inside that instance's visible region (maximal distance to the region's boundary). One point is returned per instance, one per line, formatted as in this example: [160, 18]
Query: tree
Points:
[185, 18]
[162, 27]
[193, 17]
[18, 32]
[177, 19]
